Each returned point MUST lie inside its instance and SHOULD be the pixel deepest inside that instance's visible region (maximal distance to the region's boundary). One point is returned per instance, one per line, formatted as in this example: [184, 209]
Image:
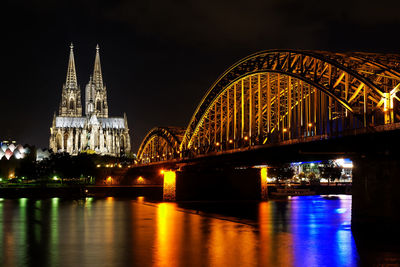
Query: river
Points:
[302, 231]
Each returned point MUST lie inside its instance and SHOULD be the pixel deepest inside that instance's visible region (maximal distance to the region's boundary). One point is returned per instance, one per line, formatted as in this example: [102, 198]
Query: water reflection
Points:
[54, 237]
[274, 240]
[304, 231]
[321, 237]
[166, 244]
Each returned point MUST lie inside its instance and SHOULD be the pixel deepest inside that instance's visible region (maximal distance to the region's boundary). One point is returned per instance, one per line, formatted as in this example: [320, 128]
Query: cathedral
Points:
[95, 131]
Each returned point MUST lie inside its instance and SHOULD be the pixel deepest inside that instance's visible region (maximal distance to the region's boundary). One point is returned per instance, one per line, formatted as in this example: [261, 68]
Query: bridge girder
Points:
[362, 83]
[279, 95]
[160, 143]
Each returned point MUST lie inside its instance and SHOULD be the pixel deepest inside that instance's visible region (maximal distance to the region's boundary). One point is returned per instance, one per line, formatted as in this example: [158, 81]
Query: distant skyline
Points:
[160, 57]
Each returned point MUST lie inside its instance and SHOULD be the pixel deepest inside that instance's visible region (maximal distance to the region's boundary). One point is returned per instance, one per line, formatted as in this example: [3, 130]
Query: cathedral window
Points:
[65, 141]
[58, 142]
[98, 105]
[71, 104]
[122, 145]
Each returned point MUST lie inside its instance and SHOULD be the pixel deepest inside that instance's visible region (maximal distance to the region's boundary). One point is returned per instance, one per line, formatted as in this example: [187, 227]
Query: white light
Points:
[347, 165]
[339, 162]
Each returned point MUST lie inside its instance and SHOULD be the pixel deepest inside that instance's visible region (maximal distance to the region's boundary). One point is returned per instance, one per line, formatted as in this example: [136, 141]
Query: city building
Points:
[95, 131]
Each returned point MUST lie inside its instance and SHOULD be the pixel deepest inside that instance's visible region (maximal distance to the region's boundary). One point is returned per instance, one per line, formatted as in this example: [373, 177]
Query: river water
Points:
[302, 231]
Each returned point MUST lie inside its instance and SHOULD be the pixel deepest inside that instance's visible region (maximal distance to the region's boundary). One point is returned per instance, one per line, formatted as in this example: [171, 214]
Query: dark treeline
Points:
[63, 166]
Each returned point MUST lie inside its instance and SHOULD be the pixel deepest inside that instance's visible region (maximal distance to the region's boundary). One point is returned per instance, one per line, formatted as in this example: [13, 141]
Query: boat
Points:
[330, 197]
[291, 191]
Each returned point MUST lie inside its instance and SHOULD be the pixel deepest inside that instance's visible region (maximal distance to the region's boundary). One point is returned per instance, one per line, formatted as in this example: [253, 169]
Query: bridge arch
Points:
[365, 86]
[280, 95]
[160, 143]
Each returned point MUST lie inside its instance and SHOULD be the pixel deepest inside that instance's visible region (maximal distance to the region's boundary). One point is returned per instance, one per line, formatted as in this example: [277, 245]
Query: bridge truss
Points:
[161, 143]
[280, 95]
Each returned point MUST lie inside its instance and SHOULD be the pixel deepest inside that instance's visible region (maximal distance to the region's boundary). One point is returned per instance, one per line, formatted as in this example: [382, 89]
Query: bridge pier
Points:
[376, 194]
[169, 186]
[212, 183]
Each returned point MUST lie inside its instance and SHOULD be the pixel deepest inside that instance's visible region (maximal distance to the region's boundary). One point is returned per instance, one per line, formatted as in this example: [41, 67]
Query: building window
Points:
[65, 141]
[58, 142]
[71, 104]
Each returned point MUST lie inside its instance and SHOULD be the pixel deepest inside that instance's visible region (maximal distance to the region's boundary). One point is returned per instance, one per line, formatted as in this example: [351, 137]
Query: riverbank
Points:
[79, 191]
[154, 192]
[323, 189]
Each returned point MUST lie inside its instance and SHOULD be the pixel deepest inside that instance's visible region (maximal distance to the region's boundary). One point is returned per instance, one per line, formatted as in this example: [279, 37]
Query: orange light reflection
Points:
[167, 247]
[169, 186]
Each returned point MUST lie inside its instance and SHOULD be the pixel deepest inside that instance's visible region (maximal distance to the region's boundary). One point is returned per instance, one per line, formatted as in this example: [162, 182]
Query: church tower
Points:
[96, 93]
[71, 93]
[94, 132]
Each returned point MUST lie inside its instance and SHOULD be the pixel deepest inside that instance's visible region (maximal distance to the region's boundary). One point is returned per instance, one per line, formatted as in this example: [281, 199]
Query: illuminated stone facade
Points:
[73, 133]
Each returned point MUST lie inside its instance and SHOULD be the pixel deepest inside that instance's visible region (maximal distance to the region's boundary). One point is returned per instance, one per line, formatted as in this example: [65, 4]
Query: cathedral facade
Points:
[74, 133]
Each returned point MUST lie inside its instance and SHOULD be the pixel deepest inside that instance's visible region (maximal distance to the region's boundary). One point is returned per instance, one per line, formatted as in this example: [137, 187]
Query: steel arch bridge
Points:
[278, 95]
[161, 143]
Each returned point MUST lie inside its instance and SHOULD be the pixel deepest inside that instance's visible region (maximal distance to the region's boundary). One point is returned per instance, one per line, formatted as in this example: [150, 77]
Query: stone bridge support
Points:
[211, 183]
[376, 193]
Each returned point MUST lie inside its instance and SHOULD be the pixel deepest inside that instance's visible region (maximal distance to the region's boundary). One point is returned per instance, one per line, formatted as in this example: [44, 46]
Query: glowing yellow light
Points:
[264, 183]
[98, 166]
[284, 130]
[169, 186]
[162, 171]
[109, 180]
[119, 166]
[140, 180]
[217, 144]
[310, 125]
[11, 175]
[246, 138]
[230, 141]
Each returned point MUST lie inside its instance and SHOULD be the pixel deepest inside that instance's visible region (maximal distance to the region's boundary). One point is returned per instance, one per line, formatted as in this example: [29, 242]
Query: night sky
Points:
[160, 57]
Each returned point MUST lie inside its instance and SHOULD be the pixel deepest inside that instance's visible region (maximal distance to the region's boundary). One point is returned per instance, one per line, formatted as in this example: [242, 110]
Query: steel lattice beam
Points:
[280, 95]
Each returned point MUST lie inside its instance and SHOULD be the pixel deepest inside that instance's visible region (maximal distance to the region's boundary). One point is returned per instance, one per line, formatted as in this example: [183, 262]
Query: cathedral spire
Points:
[71, 81]
[97, 76]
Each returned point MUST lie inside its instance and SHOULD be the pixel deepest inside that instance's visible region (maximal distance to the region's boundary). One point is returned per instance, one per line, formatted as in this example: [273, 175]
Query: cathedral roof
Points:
[70, 122]
[82, 122]
[93, 120]
[115, 123]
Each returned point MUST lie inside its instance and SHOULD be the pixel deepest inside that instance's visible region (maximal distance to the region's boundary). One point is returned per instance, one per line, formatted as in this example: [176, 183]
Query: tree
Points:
[313, 179]
[84, 165]
[281, 172]
[26, 168]
[330, 170]
[302, 175]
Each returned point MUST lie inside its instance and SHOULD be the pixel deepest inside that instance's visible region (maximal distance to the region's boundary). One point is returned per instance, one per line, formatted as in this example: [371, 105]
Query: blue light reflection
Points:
[321, 231]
